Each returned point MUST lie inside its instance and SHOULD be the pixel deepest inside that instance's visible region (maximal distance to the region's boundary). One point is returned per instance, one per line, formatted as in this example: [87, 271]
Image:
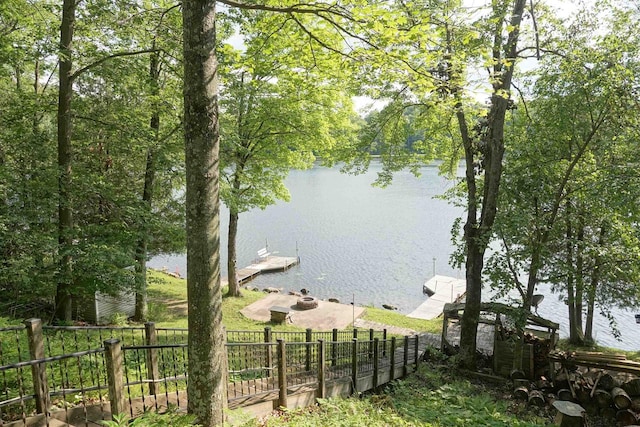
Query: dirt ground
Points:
[326, 316]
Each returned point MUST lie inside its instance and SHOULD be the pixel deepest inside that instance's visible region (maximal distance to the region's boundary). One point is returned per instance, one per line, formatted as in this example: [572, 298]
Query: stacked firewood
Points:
[599, 384]
[541, 349]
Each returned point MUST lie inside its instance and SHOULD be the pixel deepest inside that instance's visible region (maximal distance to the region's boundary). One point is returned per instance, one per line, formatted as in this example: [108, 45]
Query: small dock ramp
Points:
[443, 289]
[267, 264]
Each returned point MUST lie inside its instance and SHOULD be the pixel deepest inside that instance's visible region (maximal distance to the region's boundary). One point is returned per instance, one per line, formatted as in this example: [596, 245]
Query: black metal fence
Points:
[81, 375]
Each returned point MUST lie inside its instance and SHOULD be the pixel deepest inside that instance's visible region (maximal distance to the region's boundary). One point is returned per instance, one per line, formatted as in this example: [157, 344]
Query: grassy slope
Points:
[431, 397]
[168, 298]
[166, 291]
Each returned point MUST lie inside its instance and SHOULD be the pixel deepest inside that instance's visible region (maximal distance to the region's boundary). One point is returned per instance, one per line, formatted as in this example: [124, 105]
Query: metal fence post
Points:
[114, 361]
[151, 339]
[334, 349]
[417, 355]
[354, 365]
[282, 374]
[38, 371]
[384, 342]
[307, 359]
[370, 345]
[392, 357]
[355, 333]
[268, 354]
[406, 356]
[376, 361]
[322, 390]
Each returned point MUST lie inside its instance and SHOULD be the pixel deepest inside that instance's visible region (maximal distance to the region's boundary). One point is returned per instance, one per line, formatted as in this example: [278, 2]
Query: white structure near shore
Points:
[443, 289]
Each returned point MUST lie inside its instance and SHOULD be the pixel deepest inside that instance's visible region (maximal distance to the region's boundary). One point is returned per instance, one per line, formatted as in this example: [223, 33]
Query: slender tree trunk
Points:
[490, 145]
[234, 286]
[207, 354]
[593, 286]
[579, 273]
[147, 193]
[532, 281]
[65, 217]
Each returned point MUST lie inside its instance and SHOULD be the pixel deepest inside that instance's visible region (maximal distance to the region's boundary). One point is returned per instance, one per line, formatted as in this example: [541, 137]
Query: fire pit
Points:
[307, 303]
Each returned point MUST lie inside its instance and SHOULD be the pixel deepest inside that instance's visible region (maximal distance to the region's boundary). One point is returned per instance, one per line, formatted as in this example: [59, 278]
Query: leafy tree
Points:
[566, 218]
[207, 367]
[27, 172]
[207, 358]
[425, 62]
[284, 102]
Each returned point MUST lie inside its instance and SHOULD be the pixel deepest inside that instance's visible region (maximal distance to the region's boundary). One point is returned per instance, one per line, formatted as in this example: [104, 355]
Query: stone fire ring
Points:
[307, 303]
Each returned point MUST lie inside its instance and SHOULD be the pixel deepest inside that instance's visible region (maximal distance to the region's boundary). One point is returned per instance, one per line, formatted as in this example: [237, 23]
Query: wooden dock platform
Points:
[445, 290]
[269, 264]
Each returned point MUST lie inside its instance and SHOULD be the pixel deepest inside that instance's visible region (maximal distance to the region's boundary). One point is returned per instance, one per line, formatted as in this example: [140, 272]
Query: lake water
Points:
[366, 244]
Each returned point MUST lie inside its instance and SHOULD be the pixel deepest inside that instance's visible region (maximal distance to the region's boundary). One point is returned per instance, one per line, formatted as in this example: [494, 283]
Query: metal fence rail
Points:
[84, 374]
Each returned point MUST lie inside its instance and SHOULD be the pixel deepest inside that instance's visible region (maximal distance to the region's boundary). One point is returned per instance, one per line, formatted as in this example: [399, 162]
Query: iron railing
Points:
[85, 374]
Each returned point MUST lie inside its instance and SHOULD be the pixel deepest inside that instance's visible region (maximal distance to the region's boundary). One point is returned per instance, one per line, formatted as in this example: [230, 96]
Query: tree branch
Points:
[106, 58]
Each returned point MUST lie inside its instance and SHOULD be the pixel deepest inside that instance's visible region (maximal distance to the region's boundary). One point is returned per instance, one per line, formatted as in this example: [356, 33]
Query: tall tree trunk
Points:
[232, 277]
[490, 145]
[147, 192]
[207, 354]
[579, 272]
[593, 286]
[568, 235]
[65, 217]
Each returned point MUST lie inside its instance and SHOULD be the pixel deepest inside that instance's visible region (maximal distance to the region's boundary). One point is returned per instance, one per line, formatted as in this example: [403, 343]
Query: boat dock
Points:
[442, 290]
[268, 264]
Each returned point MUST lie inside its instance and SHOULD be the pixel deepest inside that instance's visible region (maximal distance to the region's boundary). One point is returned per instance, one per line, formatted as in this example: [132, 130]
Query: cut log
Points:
[561, 381]
[564, 394]
[521, 393]
[520, 383]
[635, 404]
[543, 384]
[620, 398]
[626, 417]
[608, 382]
[536, 398]
[517, 374]
[603, 398]
[569, 414]
[583, 393]
[591, 408]
[632, 387]
[609, 413]
[595, 385]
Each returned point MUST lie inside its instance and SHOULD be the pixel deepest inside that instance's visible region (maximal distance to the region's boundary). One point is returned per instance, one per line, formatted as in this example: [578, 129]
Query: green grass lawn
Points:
[165, 292]
[394, 318]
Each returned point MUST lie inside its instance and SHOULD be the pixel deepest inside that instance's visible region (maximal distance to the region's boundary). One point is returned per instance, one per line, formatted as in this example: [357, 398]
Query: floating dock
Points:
[269, 264]
[443, 290]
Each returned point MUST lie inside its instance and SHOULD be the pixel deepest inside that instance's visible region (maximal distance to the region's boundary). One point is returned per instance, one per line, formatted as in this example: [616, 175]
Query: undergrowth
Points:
[432, 397]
